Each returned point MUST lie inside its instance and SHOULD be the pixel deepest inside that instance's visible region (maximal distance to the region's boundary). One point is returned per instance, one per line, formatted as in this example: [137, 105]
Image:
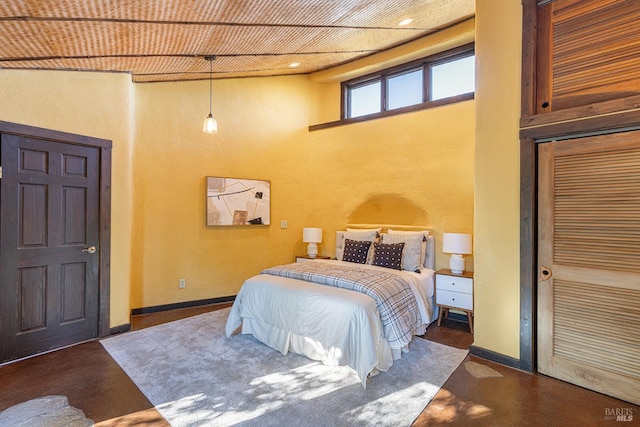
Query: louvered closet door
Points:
[589, 263]
[589, 51]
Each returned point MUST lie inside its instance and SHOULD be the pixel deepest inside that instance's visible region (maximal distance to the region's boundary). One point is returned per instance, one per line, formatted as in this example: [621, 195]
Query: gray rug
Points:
[195, 376]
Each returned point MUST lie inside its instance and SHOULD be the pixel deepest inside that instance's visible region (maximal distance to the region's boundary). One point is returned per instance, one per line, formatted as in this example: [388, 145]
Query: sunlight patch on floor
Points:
[148, 417]
[478, 370]
[446, 407]
[308, 382]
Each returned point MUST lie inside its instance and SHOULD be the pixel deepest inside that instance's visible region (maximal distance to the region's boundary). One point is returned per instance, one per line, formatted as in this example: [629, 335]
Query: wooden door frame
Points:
[104, 237]
[604, 117]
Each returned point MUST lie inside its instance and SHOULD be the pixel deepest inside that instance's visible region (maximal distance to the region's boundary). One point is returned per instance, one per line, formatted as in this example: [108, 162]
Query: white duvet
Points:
[335, 326]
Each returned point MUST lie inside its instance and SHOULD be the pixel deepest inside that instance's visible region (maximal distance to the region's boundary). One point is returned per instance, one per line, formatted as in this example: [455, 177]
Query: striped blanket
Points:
[390, 290]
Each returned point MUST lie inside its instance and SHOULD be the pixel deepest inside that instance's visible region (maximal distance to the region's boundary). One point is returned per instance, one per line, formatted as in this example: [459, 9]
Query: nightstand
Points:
[454, 291]
[304, 258]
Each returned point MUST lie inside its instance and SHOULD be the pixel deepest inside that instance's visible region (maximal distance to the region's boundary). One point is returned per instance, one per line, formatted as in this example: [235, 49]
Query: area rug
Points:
[195, 376]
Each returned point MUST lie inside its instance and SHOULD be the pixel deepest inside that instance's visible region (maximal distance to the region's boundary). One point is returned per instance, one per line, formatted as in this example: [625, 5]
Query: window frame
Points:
[382, 76]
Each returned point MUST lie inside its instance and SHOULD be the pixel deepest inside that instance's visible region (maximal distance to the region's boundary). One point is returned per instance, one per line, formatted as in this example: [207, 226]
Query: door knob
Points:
[90, 249]
[545, 273]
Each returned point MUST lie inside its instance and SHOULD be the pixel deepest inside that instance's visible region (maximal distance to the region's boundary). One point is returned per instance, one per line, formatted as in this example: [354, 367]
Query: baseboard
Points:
[120, 329]
[494, 357]
[186, 304]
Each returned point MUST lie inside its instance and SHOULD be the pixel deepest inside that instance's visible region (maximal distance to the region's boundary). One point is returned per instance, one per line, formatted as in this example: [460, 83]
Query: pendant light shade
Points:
[210, 124]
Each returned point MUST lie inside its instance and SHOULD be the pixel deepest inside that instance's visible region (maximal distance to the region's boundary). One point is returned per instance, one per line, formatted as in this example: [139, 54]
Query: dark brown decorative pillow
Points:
[356, 251]
[388, 255]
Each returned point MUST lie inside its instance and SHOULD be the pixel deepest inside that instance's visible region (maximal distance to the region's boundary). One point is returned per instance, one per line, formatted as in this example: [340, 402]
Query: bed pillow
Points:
[424, 254]
[414, 252]
[424, 233]
[369, 235]
[388, 255]
[356, 251]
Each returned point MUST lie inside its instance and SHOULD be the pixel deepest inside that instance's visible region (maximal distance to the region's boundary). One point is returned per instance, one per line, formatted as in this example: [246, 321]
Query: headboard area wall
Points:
[386, 227]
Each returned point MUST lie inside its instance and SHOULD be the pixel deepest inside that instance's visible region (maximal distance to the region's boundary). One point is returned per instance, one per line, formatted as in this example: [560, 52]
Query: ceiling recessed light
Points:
[294, 65]
[405, 22]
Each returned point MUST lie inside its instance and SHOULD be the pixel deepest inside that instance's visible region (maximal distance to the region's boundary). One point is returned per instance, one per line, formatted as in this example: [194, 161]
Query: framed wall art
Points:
[234, 201]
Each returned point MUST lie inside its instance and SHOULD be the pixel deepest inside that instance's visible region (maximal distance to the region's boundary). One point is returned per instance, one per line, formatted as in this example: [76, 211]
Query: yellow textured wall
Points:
[319, 179]
[413, 169]
[497, 179]
[322, 178]
[262, 135]
[93, 104]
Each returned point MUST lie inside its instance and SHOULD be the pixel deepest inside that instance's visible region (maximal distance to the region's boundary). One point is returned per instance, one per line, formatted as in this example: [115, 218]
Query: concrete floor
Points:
[94, 383]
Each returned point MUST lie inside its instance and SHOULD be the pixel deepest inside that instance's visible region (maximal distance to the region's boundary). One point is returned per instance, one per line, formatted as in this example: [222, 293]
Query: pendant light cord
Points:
[210, 125]
[210, 83]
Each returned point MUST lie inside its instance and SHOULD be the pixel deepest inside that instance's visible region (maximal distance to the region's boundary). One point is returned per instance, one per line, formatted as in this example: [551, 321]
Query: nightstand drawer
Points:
[456, 284]
[454, 299]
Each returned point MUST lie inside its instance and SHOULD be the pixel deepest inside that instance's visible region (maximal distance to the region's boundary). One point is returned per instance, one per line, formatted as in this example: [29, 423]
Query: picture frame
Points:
[237, 202]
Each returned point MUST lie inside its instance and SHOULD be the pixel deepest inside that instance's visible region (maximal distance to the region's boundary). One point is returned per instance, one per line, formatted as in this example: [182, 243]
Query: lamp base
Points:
[312, 250]
[456, 263]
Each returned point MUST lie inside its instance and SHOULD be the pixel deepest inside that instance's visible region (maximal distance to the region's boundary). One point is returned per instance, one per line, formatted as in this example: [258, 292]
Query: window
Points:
[405, 89]
[453, 78]
[365, 99]
[411, 86]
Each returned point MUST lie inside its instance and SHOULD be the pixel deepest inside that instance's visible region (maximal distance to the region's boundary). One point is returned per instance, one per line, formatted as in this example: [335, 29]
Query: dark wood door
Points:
[50, 227]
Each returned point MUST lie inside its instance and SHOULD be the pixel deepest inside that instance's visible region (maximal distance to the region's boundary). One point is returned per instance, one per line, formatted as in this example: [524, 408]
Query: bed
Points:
[360, 314]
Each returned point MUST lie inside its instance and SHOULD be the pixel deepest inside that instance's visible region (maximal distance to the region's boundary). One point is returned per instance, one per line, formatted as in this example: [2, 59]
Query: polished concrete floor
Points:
[93, 382]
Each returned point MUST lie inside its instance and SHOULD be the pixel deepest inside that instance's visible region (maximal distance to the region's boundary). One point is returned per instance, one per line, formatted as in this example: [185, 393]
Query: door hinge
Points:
[0, 172]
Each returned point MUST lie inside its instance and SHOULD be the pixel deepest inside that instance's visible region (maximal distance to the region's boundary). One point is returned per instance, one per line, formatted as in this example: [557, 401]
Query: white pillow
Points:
[367, 234]
[423, 236]
[425, 233]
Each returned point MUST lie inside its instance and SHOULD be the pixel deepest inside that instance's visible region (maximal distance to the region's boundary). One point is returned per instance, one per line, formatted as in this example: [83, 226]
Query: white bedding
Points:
[333, 325]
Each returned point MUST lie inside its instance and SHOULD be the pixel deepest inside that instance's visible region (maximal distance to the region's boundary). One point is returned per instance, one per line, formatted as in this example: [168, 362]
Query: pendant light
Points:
[210, 125]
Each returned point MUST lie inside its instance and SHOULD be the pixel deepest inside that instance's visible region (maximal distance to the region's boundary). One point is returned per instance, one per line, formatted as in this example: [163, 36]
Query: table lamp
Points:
[312, 236]
[456, 244]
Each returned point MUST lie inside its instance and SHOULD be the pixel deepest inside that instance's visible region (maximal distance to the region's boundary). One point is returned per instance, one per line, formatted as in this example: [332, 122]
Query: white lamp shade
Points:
[456, 243]
[312, 235]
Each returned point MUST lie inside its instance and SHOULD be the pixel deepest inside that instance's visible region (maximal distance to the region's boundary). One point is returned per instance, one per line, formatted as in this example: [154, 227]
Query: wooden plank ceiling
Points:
[166, 40]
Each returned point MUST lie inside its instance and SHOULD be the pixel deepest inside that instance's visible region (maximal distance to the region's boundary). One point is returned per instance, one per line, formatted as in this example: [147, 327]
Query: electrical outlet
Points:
[183, 283]
[284, 224]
